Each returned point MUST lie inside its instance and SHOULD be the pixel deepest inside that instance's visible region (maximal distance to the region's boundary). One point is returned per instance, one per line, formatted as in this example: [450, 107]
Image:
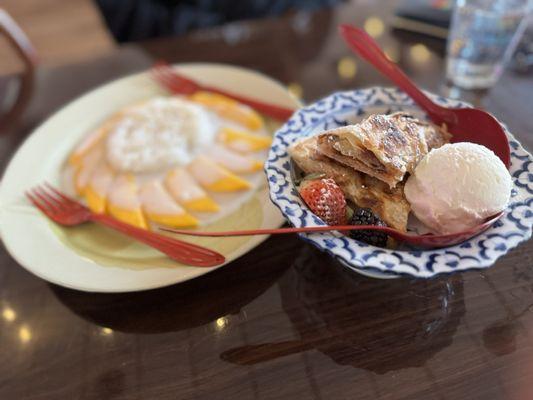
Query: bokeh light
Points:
[221, 323]
[106, 331]
[374, 26]
[295, 89]
[419, 53]
[9, 314]
[24, 334]
[347, 67]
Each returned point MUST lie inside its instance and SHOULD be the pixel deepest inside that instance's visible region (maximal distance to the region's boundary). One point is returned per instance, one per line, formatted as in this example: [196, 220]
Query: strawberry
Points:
[325, 199]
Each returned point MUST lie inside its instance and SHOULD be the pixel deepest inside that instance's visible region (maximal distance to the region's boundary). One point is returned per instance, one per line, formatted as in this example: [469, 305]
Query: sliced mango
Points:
[85, 168]
[97, 189]
[243, 142]
[235, 162]
[123, 201]
[213, 99]
[204, 204]
[90, 141]
[184, 189]
[228, 108]
[215, 177]
[160, 207]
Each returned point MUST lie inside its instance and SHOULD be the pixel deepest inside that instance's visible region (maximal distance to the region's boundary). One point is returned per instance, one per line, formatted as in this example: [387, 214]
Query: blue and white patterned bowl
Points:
[349, 107]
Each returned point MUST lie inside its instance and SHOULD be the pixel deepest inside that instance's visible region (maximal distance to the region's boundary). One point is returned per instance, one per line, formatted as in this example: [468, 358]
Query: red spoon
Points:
[465, 124]
[428, 241]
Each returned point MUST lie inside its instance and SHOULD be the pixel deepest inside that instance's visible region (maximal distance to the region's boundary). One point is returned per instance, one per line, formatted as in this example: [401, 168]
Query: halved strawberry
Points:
[325, 199]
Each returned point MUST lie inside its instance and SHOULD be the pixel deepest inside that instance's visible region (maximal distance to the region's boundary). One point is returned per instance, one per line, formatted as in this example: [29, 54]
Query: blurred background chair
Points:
[61, 31]
[15, 89]
[66, 32]
[77, 30]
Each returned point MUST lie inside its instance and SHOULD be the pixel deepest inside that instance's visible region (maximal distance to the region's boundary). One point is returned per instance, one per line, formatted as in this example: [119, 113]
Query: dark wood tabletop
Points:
[284, 321]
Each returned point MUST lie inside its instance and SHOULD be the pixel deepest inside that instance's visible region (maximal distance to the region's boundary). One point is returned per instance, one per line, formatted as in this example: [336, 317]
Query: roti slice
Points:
[387, 203]
[383, 146]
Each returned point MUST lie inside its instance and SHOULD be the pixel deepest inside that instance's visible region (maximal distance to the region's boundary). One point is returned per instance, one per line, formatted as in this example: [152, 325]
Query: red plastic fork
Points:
[466, 124]
[66, 211]
[179, 84]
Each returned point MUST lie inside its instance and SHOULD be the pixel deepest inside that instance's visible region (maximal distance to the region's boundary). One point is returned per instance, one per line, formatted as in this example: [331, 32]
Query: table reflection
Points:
[329, 307]
[177, 308]
[9, 314]
[24, 334]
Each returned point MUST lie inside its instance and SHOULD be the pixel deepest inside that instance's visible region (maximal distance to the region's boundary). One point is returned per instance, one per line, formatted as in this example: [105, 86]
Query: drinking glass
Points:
[483, 35]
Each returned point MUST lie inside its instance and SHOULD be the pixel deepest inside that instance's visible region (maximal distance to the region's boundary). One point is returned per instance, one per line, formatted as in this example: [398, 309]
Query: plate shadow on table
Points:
[189, 304]
[378, 325]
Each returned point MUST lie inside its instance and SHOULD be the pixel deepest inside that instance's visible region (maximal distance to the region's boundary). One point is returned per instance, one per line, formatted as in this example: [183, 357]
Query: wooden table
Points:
[283, 321]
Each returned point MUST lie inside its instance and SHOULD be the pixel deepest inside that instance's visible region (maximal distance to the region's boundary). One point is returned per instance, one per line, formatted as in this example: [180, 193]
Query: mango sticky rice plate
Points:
[148, 158]
[172, 160]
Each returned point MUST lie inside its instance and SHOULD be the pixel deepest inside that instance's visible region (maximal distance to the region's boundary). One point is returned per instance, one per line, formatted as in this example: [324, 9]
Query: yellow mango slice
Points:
[243, 142]
[160, 207]
[98, 186]
[85, 168]
[90, 141]
[123, 201]
[204, 204]
[215, 177]
[233, 161]
[230, 109]
[184, 189]
[213, 99]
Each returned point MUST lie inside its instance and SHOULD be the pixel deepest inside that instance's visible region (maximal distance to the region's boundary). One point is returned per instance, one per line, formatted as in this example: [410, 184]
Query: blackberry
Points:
[365, 216]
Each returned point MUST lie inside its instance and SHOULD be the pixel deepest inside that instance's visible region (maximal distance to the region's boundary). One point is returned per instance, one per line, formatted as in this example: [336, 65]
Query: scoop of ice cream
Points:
[457, 186]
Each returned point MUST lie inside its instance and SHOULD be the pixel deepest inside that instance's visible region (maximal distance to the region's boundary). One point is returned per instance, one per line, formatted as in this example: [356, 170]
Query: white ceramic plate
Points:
[91, 258]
